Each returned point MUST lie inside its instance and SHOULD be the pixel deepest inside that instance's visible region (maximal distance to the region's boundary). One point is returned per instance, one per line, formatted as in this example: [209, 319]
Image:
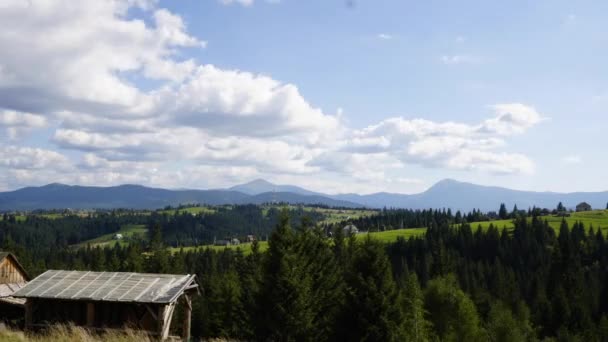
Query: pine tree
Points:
[417, 328]
[225, 300]
[159, 261]
[502, 212]
[515, 212]
[452, 313]
[317, 260]
[458, 218]
[372, 310]
[282, 304]
[250, 273]
[503, 326]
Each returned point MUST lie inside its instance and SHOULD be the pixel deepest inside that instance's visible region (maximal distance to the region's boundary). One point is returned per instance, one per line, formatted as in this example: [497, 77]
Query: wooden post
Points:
[187, 318]
[160, 319]
[29, 313]
[165, 312]
[90, 314]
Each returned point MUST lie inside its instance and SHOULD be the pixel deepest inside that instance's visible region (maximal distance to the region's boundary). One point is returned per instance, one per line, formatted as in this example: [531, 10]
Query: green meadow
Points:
[107, 240]
[189, 210]
[596, 219]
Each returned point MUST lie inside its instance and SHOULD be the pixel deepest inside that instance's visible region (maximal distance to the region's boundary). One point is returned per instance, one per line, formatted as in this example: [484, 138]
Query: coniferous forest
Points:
[455, 283]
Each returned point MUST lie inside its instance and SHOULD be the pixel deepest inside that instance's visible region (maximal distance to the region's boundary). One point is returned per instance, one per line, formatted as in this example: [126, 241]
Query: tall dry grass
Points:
[68, 333]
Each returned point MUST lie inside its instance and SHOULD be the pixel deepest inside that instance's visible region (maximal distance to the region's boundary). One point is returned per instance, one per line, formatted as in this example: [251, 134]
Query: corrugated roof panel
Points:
[107, 286]
[7, 290]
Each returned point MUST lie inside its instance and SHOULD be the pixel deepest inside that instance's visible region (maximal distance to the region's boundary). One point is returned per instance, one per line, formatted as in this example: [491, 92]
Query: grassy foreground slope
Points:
[66, 333]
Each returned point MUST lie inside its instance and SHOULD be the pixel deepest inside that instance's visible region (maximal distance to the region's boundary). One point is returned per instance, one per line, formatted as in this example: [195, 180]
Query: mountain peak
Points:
[259, 182]
[444, 183]
[55, 185]
[259, 186]
[254, 187]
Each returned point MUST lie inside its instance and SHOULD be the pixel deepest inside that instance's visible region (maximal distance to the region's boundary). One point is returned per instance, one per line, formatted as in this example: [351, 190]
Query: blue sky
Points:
[335, 96]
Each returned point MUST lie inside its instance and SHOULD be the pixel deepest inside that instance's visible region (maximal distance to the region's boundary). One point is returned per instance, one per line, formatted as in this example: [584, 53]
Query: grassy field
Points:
[392, 235]
[339, 215]
[52, 216]
[67, 333]
[387, 236]
[244, 247]
[19, 218]
[331, 215]
[596, 219]
[189, 210]
[127, 231]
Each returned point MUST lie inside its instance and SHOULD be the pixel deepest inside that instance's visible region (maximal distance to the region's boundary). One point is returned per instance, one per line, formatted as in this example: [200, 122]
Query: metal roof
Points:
[108, 286]
[7, 291]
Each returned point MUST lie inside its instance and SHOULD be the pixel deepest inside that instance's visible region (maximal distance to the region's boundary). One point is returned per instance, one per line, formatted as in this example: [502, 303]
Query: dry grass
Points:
[69, 333]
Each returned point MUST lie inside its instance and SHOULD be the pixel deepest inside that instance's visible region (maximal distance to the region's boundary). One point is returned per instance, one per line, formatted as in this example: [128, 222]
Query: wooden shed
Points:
[12, 278]
[109, 300]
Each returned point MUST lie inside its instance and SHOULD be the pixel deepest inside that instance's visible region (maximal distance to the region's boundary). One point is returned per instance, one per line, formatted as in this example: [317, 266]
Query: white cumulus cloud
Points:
[71, 70]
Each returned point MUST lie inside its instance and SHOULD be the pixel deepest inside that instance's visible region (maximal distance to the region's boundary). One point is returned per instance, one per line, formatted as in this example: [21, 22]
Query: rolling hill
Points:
[466, 196]
[445, 194]
[60, 196]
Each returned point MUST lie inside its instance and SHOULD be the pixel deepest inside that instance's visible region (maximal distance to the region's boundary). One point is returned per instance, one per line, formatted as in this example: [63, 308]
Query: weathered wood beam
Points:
[152, 313]
[161, 322]
[168, 314]
[187, 318]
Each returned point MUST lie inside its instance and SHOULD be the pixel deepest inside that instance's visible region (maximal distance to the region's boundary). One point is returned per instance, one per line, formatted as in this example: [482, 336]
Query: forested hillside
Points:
[454, 283]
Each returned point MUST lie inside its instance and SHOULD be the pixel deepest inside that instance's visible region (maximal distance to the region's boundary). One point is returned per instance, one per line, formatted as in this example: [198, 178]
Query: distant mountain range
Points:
[61, 196]
[445, 194]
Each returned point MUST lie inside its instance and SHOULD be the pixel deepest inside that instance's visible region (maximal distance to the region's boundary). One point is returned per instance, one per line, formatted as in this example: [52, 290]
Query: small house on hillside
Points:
[12, 278]
[583, 207]
[109, 300]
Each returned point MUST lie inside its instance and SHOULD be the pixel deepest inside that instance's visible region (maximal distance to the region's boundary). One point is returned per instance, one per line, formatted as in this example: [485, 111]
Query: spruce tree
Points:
[226, 307]
[452, 313]
[503, 326]
[372, 310]
[317, 260]
[502, 212]
[515, 212]
[417, 328]
[283, 314]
